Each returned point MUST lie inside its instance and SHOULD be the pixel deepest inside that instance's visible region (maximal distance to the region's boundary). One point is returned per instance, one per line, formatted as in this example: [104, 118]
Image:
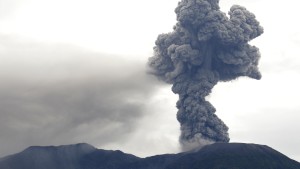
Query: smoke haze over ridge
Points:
[62, 94]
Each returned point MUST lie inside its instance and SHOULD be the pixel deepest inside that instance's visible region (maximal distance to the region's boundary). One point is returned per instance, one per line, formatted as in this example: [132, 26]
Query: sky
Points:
[75, 71]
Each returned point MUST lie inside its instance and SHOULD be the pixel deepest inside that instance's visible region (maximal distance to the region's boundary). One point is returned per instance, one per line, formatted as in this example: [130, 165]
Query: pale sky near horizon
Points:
[75, 71]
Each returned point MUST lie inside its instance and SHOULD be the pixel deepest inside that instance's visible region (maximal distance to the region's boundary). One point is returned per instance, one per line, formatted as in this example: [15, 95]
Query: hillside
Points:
[85, 156]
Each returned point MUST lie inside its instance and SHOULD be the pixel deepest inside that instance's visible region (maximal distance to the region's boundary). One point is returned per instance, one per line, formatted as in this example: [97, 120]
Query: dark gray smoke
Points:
[205, 47]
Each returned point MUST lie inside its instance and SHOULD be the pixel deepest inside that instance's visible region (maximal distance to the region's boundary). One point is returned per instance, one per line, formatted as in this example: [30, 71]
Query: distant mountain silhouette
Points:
[85, 156]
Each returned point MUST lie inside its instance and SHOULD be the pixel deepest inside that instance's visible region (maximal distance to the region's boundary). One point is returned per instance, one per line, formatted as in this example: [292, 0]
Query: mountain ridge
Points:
[85, 156]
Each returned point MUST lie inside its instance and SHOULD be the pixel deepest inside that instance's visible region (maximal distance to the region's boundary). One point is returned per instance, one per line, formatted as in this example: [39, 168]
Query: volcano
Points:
[214, 156]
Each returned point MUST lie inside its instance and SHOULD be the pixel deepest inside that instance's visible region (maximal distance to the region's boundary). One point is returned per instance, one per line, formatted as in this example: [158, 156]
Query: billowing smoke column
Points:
[205, 47]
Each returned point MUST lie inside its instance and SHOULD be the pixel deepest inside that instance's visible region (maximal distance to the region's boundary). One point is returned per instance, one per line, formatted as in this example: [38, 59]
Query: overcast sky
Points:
[75, 71]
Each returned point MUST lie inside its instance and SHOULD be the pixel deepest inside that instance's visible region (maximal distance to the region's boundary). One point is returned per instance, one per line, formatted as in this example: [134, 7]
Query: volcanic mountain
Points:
[85, 156]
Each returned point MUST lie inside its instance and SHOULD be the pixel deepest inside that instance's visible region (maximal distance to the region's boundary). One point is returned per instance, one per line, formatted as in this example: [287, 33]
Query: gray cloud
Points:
[204, 48]
[59, 94]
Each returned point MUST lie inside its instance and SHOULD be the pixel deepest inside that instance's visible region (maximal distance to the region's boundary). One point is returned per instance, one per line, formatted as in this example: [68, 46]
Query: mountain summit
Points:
[214, 156]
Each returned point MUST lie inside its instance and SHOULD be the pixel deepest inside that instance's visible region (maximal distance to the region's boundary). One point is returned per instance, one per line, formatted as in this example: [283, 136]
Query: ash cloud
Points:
[61, 94]
[205, 47]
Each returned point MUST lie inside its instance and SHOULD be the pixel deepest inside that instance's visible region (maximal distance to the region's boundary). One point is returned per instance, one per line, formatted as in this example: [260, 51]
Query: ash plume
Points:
[205, 47]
